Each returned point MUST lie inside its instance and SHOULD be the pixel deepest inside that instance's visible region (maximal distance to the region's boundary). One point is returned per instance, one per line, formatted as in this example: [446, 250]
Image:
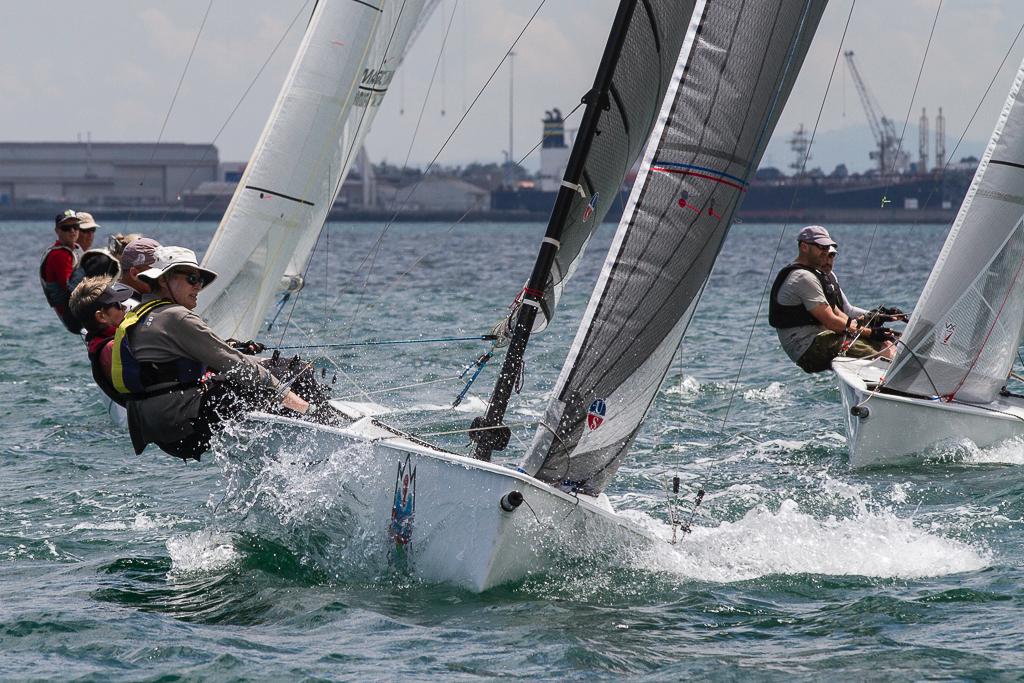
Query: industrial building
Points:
[101, 174]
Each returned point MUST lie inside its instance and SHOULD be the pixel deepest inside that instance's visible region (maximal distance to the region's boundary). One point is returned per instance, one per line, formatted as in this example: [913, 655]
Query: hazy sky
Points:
[110, 67]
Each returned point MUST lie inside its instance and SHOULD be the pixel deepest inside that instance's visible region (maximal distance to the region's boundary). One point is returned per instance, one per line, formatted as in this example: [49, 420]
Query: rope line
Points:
[371, 256]
[981, 101]
[766, 288]
[234, 110]
[174, 98]
[899, 145]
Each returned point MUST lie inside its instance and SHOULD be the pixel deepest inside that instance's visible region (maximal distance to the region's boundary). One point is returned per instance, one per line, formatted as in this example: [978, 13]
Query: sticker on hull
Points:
[403, 510]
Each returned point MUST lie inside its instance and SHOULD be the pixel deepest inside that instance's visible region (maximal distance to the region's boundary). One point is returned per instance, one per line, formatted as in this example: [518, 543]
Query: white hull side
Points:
[459, 533]
[902, 430]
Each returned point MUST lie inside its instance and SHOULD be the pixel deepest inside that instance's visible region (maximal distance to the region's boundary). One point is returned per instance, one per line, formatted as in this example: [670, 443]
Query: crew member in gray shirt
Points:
[814, 319]
[182, 380]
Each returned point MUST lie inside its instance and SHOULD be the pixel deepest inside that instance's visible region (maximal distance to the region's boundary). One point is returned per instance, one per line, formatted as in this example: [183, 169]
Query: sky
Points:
[111, 69]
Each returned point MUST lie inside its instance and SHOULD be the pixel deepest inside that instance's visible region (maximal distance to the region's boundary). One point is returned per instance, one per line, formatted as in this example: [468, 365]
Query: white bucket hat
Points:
[168, 258]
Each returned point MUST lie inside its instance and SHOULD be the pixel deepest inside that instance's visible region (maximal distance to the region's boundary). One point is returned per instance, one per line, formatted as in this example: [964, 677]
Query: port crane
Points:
[888, 154]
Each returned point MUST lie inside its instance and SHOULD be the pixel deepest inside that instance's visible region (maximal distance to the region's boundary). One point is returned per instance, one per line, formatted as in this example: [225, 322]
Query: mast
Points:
[488, 431]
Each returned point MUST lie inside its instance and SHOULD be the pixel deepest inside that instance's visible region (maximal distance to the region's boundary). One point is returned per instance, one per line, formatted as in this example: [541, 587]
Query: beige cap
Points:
[86, 221]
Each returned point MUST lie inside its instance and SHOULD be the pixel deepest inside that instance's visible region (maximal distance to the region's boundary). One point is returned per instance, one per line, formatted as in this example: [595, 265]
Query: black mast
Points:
[489, 433]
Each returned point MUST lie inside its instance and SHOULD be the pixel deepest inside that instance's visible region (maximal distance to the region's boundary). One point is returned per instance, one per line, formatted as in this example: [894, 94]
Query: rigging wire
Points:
[439, 244]
[981, 101]
[430, 85]
[433, 161]
[899, 145]
[346, 164]
[766, 288]
[174, 98]
[234, 110]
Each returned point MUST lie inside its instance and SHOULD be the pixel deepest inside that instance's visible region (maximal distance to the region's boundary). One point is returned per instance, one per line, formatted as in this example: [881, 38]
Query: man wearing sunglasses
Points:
[180, 380]
[56, 266]
[86, 230]
[813, 318]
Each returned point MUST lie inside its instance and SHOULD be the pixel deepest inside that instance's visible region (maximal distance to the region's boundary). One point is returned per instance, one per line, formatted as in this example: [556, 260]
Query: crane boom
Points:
[890, 158]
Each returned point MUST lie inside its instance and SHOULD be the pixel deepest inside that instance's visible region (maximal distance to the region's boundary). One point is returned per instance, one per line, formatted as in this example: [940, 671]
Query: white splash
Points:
[142, 522]
[687, 388]
[788, 541]
[201, 551]
[769, 394]
[1009, 452]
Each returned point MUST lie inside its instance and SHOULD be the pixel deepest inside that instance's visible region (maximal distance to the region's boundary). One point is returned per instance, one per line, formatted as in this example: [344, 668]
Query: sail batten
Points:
[733, 75]
[339, 76]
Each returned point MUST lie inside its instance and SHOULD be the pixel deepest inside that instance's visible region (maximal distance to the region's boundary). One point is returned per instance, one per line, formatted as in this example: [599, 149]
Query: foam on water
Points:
[687, 388]
[201, 551]
[141, 522]
[789, 541]
[1009, 452]
[769, 394]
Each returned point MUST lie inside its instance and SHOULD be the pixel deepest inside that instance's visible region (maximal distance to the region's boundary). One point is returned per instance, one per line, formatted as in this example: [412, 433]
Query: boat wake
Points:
[1009, 452]
[788, 540]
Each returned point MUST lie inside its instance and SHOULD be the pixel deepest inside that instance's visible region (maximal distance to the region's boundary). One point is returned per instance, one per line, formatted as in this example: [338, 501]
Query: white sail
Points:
[337, 81]
[735, 70]
[963, 336]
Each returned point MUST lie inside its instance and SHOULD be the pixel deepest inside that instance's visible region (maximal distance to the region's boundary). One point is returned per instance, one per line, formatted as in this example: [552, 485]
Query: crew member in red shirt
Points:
[56, 266]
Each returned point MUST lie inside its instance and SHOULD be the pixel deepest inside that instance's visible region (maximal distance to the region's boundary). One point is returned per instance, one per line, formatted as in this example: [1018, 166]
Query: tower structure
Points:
[800, 143]
[922, 143]
[940, 140]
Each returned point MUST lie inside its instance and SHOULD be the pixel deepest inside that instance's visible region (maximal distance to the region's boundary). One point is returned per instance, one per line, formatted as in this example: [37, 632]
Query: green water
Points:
[117, 567]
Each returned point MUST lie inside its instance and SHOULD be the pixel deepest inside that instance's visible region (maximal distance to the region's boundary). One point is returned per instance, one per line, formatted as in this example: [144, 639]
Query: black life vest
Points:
[96, 341]
[137, 380]
[58, 294]
[780, 316]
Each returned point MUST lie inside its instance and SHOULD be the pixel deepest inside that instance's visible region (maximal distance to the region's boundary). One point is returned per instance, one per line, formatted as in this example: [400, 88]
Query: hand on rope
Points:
[249, 348]
[886, 314]
[880, 334]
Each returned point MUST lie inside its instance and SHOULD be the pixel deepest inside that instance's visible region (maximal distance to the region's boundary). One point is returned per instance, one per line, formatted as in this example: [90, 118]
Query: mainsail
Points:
[735, 71]
[966, 328]
[641, 76]
[339, 77]
[633, 75]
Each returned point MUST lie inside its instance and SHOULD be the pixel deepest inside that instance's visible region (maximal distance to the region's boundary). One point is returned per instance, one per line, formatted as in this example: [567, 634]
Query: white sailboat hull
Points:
[899, 430]
[457, 532]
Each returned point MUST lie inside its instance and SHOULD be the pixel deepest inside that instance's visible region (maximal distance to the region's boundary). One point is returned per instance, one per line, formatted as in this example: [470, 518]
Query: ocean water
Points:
[122, 567]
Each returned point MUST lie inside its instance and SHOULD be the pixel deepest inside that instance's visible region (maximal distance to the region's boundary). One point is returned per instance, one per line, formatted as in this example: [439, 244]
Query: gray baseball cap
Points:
[816, 234]
[139, 252]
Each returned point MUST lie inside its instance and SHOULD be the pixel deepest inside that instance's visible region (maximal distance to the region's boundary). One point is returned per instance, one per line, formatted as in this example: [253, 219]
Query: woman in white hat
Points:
[181, 380]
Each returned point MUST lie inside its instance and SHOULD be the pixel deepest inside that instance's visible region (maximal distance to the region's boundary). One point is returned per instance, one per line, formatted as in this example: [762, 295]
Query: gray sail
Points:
[642, 75]
[963, 336]
[734, 73]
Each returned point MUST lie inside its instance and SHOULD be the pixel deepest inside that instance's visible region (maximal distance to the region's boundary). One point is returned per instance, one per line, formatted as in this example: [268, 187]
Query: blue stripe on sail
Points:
[669, 164]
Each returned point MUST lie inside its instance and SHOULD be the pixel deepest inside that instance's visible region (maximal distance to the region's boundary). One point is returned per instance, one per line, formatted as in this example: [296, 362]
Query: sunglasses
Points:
[87, 230]
[67, 228]
[192, 278]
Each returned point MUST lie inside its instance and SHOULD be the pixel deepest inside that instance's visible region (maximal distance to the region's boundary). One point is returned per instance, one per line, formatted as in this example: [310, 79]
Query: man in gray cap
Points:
[813, 318]
[137, 256]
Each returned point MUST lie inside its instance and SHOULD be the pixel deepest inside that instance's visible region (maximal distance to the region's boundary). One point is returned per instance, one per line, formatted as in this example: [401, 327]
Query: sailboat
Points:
[706, 83]
[339, 77]
[947, 382]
